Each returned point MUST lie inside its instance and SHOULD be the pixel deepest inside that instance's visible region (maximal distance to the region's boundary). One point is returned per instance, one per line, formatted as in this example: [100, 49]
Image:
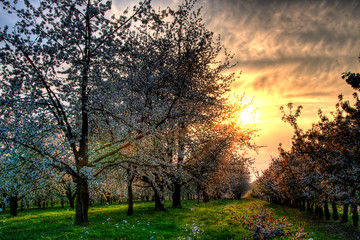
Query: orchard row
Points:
[323, 165]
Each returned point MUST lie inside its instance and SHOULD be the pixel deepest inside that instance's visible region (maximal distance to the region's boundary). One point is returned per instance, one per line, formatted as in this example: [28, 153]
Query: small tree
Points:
[20, 177]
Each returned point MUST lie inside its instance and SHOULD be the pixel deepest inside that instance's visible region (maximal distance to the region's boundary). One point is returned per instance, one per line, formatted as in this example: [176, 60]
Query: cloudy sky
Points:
[287, 51]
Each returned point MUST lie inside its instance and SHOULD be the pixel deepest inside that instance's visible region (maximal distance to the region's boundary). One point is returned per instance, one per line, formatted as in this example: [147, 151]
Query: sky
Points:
[286, 51]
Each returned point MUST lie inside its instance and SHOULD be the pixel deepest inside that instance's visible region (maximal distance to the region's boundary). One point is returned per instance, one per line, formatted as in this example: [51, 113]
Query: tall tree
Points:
[53, 64]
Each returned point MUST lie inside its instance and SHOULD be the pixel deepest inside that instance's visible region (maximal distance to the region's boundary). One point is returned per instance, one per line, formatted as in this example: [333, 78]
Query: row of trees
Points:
[140, 97]
[322, 167]
[34, 187]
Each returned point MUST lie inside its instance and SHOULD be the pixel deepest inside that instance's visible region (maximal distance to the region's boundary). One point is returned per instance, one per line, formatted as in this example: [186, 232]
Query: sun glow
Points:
[246, 116]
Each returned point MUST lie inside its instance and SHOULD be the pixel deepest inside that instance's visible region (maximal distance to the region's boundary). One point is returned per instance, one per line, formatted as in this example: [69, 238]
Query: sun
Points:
[246, 116]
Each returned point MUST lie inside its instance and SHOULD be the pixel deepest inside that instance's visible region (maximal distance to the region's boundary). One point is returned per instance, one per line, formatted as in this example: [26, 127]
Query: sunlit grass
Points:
[199, 221]
[209, 221]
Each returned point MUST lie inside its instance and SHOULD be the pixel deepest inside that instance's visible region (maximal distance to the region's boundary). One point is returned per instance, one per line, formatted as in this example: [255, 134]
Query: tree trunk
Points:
[206, 197]
[302, 208]
[303, 205]
[326, 210]
[13, 205]
[71, 198]
[288, 202]
[22, 206]
[159, 201]
[297, 204]
[130, 195]
[72, 202]
[108, 202]
[82, 202]
[62, 203]
[130, 210]
[345, 215]
[176, 196]
[309, 206]
[319, 211]
[355, 215]
[335, 211]
[198, 194]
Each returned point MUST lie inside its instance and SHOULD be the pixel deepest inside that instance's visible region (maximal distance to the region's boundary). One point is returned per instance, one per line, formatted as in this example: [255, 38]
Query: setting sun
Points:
[247, 116]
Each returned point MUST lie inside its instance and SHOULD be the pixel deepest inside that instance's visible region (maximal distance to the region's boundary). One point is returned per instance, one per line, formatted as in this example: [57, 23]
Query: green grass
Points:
[199, 221]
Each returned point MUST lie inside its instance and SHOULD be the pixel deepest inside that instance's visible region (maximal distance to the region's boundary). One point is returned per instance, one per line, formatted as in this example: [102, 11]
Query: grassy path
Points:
[194, 221]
